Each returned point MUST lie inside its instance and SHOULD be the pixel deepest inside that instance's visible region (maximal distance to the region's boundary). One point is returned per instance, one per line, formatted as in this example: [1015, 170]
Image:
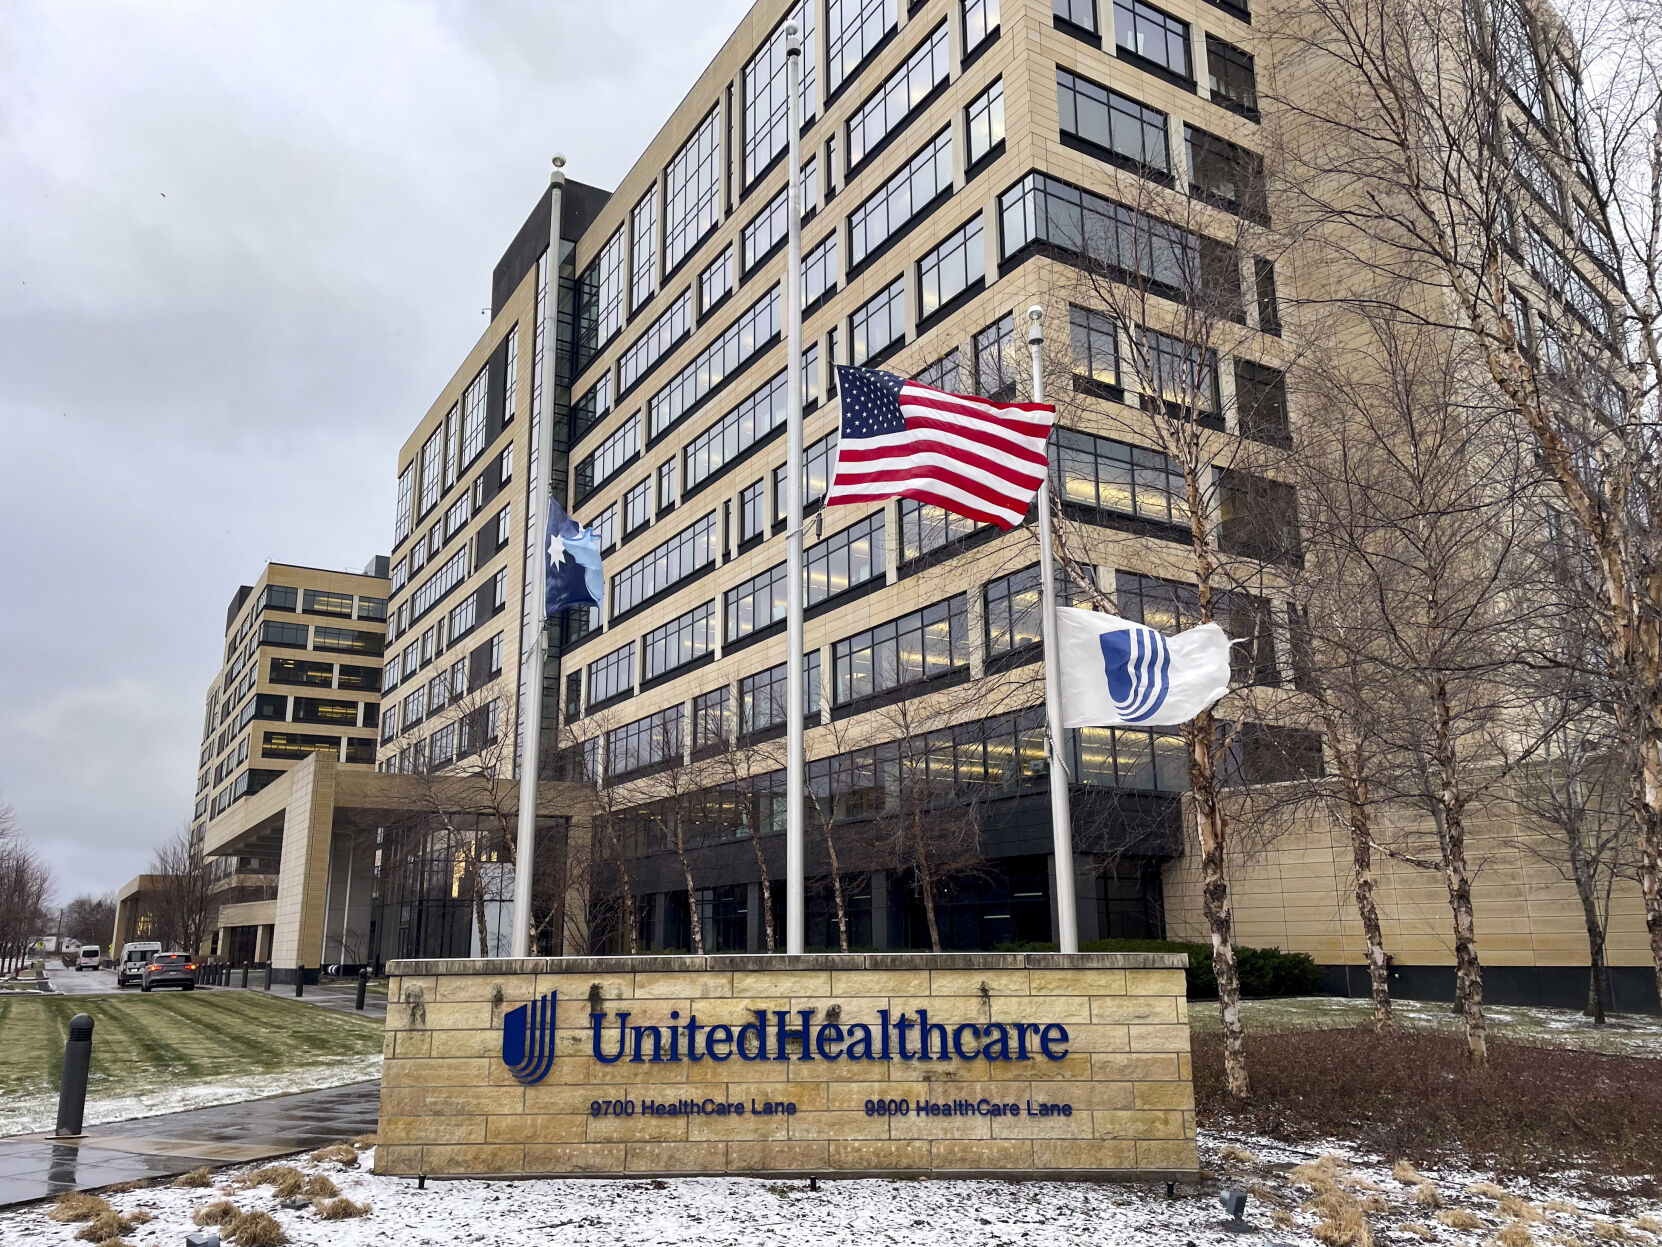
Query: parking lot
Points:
[72, 982]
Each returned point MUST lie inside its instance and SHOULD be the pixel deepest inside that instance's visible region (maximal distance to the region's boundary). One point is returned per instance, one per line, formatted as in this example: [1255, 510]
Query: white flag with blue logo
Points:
[1116, 673]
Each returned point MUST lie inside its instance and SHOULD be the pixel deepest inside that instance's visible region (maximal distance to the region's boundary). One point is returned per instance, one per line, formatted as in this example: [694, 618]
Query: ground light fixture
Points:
[200, 1239]
[1234, 1203]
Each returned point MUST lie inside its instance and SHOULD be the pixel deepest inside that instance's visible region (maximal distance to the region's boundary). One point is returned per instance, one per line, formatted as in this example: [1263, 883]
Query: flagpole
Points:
[534, 649]
[1061, 820]
[794, 701]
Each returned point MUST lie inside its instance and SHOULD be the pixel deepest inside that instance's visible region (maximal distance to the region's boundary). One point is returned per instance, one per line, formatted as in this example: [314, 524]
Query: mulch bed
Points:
[1533, 1111]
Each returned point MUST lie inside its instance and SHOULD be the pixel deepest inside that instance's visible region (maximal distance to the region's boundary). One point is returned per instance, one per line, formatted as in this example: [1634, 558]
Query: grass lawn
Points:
[166, 1051]
[1626, 1034]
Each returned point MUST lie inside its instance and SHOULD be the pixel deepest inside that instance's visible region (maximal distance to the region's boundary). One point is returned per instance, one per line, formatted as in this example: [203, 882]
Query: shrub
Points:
[1264, 971]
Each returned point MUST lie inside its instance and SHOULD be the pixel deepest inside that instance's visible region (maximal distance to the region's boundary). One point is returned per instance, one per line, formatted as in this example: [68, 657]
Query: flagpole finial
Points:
[1036, 331]
[558, 176]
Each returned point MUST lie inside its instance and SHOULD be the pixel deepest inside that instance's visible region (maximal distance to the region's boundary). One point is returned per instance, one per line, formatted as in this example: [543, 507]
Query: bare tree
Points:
[1466, 161]
[184, 907]
[25, 891]
[90, 919]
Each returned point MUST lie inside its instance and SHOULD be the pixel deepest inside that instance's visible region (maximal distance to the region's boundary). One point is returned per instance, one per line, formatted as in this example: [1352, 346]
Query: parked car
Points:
[134, 957]
[168, 970]
[87, 958]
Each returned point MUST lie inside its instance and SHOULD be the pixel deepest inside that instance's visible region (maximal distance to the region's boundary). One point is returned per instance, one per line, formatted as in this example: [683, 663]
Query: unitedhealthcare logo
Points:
[528, 1039]
[1137, 662]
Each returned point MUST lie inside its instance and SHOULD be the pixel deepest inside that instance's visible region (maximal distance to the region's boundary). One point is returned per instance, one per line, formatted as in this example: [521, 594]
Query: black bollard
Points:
[245, 974]
[363, 986]
[300, 979]
[268, 976]
[72, 1090]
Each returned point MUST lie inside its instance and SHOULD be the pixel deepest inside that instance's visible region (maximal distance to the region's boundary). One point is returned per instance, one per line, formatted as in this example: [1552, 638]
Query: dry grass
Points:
[364, 1141]
[1520, 1209]
[1321, 1172]
[1486, 1190]
[1267, 1195]
[340, 1153]
[1417, 1230]
[1281, 1219]
[341, 1209]
[256, 1229]
[285, 1181]
[122, 1188]
[1563, 1206]
[195, 1178]
[320, 1186]
[1460, 1219]
[1229, 1154]
[1514, 1234]
[1609, 1231]
[1425, 1196]
[1650, 1225]
[1534, 1110]
[78, 1206]
[220, 1212]
[1402, 1171]
[1348, 1229]
[105, 1227]
[1568, 1240]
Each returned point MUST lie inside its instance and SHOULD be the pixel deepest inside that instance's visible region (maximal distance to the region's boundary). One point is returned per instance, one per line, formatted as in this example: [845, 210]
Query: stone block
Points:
[1139, 1009]
[1086, 1154]
[878, 1154]
[1170, 1038]
[474, 1158]
[774, 1155]
[702, 1157]
[786, 983]
[978, 983]
[1139, 1124]
[637, 1129]
[1076, 982]
[537, 1128]
[398, 1159]
[1169, 1154]
[850, 985]
[996, 1155]
[1173, 1094]
[671, 986]
[584, 1158]
[838, 1124]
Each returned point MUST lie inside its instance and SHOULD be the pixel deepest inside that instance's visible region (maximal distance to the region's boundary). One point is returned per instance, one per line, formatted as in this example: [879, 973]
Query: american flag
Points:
[902, 439]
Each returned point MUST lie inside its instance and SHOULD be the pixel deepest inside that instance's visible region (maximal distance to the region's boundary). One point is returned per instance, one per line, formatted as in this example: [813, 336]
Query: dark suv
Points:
[169, 970]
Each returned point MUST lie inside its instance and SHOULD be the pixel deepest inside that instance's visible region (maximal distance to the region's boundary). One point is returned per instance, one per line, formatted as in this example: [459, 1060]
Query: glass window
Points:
[346, 640]
[888, 107]
[905, 651]
[450, 436]
[765, 106]
[1181, 374]
[598, 306]
[1269, 306]
[942, 374]
[1230, 77]
[441, 582]
[297, 671]
[613, 675]
[637, 508]
[995, 360]
[1225, 172]
[1113, 476]
[662, 334]
[1145, 31]
[753, 510]
[984, 122]
[715, 283]
[692, 191]
[653, 573]
[766, 232]
[504, 528]
[457, 515]
[853, 28]
[1261, 402]
[646, 743]
[755, 604]
[755, 328]
[319, 602]
[1516, 64]
[710, 719]
[1080, 13]
[818, 461]
[762, 697]
[473, 415]
[736, 432]
[680, 641]
[925, 527]
[294, 636]
[1014, 617]
[589, 407]
[844, 560]
[643, 253]
[403, 516]
[926, 176]
[609, 458]
[880, 323]
[1118, 124]
[1259, 517]
[980, 20]
[431, 481]
[819, 270]
[1094, 342]
[951, 268]
[666, 485]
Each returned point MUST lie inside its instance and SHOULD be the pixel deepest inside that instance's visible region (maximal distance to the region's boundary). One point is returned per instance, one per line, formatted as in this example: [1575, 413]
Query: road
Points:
[80, 982]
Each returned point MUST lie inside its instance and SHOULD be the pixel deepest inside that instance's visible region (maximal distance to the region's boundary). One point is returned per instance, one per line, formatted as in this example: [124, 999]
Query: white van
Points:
[87, 958]
[134, 957]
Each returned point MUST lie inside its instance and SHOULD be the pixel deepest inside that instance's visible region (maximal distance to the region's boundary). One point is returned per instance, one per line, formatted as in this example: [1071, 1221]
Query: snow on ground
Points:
[28, 1114]
[760, 1213]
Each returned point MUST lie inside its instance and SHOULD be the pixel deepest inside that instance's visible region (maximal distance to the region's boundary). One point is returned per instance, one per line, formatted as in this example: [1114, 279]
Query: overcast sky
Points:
[241, 248]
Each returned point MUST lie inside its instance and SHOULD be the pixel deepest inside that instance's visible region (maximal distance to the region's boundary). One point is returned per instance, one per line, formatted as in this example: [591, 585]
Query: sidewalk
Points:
[33, 1167]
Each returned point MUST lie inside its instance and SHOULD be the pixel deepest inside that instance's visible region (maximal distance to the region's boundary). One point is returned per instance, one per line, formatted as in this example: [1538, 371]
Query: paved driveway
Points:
[80, 982]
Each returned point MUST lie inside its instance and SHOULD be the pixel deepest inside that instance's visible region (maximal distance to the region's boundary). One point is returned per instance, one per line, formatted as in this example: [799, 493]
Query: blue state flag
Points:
[571, 563]
[1122, 674]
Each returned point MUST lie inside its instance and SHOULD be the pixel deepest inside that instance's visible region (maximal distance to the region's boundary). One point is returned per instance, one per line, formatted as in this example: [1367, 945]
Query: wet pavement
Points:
[36, 1167]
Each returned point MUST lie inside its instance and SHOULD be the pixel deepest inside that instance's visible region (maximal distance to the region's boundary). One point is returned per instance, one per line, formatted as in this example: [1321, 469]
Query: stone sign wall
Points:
[1026, 1064]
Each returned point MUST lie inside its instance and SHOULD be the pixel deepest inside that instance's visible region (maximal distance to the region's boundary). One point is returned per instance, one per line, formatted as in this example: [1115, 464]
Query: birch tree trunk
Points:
[693, 922]
[1367, 907]
[837, 891]
[1213, 826]
[1586, 887]
[767, 887]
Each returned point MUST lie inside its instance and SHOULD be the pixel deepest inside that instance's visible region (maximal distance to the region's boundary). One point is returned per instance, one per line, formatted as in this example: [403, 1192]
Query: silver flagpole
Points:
[1061, 821]
[794, 704]
[534, 648]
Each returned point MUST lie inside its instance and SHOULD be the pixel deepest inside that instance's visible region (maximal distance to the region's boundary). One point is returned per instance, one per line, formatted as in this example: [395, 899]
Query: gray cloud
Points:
[243, 247]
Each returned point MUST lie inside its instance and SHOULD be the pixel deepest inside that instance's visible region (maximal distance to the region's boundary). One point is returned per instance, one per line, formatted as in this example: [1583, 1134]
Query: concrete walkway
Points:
[35, 1167]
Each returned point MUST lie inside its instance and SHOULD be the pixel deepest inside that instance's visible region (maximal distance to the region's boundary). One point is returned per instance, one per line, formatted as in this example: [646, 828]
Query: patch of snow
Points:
[785, 1213]
[29, 1114]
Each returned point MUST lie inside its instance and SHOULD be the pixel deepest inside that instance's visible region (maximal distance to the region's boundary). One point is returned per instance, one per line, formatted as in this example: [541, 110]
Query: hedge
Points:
[1264, 971]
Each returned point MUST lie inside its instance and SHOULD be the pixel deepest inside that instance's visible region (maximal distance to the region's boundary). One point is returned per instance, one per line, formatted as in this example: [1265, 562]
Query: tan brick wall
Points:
[449, 1105]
